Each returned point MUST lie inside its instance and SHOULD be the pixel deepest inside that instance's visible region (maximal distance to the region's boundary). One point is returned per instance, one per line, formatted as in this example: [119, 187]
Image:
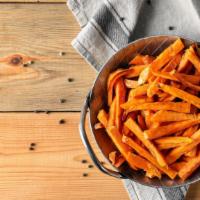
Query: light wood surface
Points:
[39, 32]
[53, 171]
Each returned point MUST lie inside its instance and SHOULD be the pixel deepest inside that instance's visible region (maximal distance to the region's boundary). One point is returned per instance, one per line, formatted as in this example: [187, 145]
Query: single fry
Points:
[192, 153]
[112, 114]
[139, 91]
[167, 55]
[120, 99]
[103, 117]
[177, 166]
[141, 60]
[169, 129]
[120, 160]
[170, 116]
[130, 83]
[116, 137]
[145, 154]
[190, 131]
[112, 157]
[147, 116]
[187, 83]
[130, 123]
[165, 75]
[176, 153]
[194, 59]
[189, 168]
[133, 100]
[181, 94]
[141, 163]
[173, 140]
[194, 79]
[169, 146]
[173, 106]
[114, 76]
[152, 89]
[144, 75]
[98, 125]
[116, 160]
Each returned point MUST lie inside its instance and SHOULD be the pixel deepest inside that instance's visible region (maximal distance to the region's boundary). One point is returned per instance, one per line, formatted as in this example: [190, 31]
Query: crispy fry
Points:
[194, 79]
[193, 58]
[145, 154]
[144, 75]
[112, 114]
[152, 89]
[190, 131]
[169, 146]
[165, 75]
[154, 125]
[149, 145]
[103, 117]
[116, 159]
[177, 166]
[114, 76]
[139, 91]
[170, 116]
[141, 60]
[147, 116]
[169, 129]
[141, 163]
[187, 83]
[189, 168]
[167, 55]
[181, 94]
[125, 130]
[116, 137]
[130, 83]
[135, 71]
[134, 100]
[98, 125]
[178, 107]
[179, 151]
[112, 157]
[173, 140]
[120, 99]
[192, 153]
[120, 160]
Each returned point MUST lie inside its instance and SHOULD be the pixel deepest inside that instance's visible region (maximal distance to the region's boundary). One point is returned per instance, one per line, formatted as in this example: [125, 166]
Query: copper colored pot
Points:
[97, 99]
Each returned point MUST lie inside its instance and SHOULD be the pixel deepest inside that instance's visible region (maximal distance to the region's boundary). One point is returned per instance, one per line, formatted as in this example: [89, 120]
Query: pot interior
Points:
[151, 46]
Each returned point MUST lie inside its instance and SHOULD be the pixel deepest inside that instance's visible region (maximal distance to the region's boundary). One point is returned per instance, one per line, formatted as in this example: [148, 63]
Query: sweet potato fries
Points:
[153, 113]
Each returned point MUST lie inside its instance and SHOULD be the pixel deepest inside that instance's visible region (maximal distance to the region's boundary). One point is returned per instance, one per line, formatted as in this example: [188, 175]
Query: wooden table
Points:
[50, 169]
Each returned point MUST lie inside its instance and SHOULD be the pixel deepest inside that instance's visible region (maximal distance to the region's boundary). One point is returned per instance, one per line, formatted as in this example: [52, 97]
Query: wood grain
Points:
[39, 33]
[54, 169]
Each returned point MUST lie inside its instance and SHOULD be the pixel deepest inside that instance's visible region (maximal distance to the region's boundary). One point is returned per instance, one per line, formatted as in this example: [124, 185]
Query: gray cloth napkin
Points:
[108, 25]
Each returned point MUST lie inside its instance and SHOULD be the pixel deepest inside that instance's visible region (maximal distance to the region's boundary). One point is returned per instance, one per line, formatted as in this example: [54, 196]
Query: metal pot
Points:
[97, 99]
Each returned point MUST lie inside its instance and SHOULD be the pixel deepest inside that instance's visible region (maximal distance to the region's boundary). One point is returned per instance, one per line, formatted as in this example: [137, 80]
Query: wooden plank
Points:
[39, 33]
[53, 171]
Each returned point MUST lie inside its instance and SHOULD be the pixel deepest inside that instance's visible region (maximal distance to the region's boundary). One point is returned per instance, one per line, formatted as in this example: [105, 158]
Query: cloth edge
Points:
[85, 54]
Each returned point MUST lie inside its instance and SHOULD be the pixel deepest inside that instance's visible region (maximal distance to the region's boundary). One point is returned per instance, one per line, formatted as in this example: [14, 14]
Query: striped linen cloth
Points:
[108, 25]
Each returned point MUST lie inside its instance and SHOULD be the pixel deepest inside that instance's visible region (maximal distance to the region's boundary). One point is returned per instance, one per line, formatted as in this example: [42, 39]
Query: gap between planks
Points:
[53, 171]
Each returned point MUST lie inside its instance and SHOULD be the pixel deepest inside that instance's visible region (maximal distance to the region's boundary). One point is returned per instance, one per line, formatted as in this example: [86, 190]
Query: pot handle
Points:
[87, 145]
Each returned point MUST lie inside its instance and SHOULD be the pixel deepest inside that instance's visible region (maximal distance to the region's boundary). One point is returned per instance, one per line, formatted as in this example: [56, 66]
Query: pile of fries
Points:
[153, 113]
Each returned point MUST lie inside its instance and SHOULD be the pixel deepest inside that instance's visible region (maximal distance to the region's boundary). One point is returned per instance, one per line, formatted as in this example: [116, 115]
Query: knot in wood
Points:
[16, 60]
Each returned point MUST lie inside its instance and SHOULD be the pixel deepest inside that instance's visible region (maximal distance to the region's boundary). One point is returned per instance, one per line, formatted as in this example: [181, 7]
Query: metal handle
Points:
[87, 145]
